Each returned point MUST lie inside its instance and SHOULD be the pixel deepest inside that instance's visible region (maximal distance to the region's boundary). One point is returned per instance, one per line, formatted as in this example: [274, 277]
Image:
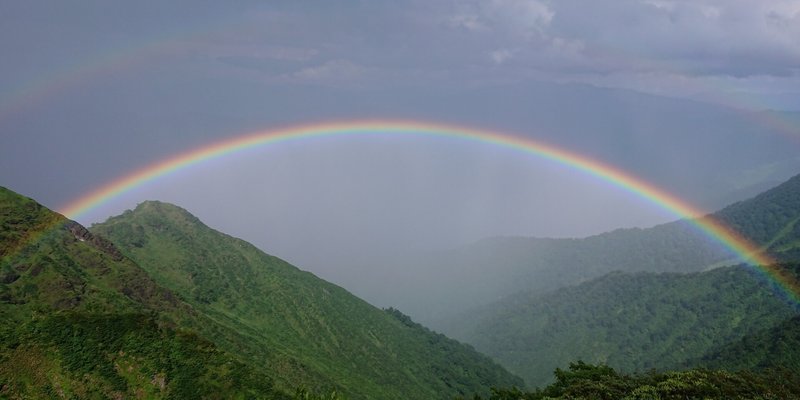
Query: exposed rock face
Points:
[83, 234]
[138, 288]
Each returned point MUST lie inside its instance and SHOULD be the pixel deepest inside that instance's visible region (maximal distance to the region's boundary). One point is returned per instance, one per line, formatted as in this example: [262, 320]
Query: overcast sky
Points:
[689, 48]
[90, 90]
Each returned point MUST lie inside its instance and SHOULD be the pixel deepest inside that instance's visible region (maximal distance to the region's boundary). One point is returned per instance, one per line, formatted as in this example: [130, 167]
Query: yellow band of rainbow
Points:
[740, 246]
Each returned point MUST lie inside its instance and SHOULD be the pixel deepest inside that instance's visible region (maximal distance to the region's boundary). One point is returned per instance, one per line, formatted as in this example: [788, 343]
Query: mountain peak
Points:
[155, 206]
[291, 313]
[158, 213]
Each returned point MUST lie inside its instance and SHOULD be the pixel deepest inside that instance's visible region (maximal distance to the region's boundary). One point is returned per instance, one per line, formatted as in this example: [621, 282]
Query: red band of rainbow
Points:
[740, 246]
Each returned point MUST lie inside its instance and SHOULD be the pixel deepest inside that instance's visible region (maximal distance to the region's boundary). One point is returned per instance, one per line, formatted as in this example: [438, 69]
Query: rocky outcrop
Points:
[102, 244]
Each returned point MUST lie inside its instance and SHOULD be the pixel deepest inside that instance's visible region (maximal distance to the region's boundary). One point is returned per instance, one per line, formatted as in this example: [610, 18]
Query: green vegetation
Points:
[304, 394]
[776, 347]
[329, 335]
[769, 219]
[49, 264]
[632, 322]
[586, 381]
[498, 267]
[79, 319]
[639, 321]
[120, 355]
[170, 308]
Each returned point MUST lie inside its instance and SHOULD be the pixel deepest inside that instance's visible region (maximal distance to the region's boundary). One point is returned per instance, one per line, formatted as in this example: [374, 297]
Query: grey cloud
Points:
[522, 18]
[702, 37]
[334, 71]
[369, 43]
[692, 37]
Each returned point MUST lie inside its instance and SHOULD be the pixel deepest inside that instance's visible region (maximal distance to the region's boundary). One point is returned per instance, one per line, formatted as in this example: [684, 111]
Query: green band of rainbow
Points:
[714, 229]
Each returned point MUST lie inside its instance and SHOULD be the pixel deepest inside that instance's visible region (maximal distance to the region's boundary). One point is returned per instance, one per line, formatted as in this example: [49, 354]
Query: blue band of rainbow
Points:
[745, 250]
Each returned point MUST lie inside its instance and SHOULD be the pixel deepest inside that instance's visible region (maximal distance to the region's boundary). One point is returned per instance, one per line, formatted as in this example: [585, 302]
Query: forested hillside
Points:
[775, 347]
[630, 321]
[81, 319]
[457, 281]
[366, 351]
[769, 219]
[590, 382]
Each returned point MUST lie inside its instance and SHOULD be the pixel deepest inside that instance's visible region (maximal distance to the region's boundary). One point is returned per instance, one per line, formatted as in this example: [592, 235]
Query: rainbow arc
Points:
[740, 246]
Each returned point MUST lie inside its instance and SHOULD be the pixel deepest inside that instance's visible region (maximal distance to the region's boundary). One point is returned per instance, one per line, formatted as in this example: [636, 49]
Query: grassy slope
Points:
[629, 321]
[79, 319]
[65, 267]
[368, 352]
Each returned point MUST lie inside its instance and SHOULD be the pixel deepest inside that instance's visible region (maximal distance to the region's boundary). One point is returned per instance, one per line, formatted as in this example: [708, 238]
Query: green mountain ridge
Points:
[81, 319]
[582, 381]
[587, 309]
[640, 320]
[50, 263]
[368, 352]
[776, 347]
[455, 282]
[167, 307]
[630, 321]
[769, 219]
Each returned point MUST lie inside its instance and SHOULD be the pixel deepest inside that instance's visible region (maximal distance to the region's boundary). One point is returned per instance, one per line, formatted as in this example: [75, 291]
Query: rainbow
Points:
[31, 93]
[743, 249]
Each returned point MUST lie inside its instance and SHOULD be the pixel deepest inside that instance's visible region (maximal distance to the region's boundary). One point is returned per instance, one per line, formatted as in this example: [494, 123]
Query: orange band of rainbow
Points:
[740, 246]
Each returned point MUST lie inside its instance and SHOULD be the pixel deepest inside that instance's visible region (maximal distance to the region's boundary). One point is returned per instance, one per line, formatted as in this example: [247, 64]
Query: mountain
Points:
[78, 318]
[454, 282]
[769, 219]
[776, 347]
[629, 321]
[321, 328]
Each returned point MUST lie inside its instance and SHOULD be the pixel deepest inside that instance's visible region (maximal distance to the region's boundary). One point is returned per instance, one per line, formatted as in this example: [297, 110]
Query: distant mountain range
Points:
[174, 309]
[455, 282]
[631, 322]
[604, 300]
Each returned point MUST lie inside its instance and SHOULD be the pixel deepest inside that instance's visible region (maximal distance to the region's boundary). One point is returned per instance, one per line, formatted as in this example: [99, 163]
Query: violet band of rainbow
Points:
[716, 230]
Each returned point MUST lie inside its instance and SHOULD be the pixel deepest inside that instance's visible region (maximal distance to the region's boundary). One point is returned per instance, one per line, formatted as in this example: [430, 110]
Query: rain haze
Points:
[700, 98]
